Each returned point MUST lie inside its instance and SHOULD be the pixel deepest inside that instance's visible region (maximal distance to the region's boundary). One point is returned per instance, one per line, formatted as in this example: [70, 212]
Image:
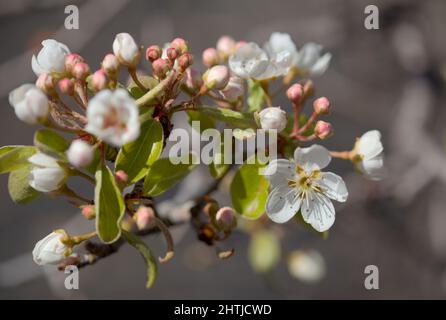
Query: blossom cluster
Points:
[111, 132]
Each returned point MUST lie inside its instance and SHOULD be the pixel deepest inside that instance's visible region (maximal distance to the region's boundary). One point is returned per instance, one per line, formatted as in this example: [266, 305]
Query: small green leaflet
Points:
[145, 252]
[163, 175]
[249, 191]
[15, 157]
[109, 205]
[136, 157]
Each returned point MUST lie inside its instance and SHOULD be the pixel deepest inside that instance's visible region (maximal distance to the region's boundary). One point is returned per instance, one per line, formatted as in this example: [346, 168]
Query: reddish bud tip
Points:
[295, 93]
[45, 82]
[153, 52]
[321, 105]
[89, 212]
[71, 60]
[185, 61]
[99, 80]
[66, 86]
[160, 68]
[121, 176]
[323, 130]
[81, 70]
[210, 57]
[180, 44]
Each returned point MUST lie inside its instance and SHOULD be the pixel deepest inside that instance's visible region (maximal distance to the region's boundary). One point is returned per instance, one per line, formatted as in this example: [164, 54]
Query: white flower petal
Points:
[333, 186]
[282, 204]
[279, 171]
[372, 168]
[318, 211]
[42, 160]
[46, 179]
[369, 145]
[279, 42]
[321, 65]
[36, 66]
[314, 156]
[308, 55]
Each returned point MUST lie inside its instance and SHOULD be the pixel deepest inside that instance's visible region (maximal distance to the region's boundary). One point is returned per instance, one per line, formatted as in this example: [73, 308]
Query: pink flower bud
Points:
[121, 176]
[193, 79]
[185, 61]
[323, 130]
[81, 70]
[172, 53]
[240, 44]
[160, 68]
[99, 80]
[321, 105]
[45, 82]
[66, 86]
[143, 217]
[180, 44]
[226, 46]
[225, 218]
[217, 77]
[210, 57]
[295, 93]
[89, 212]
[110, 65]
[71, 60]
[153, 52]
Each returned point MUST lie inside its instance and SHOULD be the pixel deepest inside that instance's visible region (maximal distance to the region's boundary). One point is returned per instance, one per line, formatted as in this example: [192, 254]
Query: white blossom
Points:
[80, 153]
[250, 61]
[50, 250]
[30, 103]
[126, 49]
[113, 117]
[308, 60]
[279, 43]
[300, 184]
[369, 150]
[51, 58]
[273, 118]
[46, 175]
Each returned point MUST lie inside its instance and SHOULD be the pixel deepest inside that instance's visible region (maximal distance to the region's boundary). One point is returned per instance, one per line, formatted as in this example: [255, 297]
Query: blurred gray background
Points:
[391, 79]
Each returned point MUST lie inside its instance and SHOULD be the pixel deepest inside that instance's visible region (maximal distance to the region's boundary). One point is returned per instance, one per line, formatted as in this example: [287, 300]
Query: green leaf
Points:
[49, 141]
[249, 191]
[19, 189]
[256, 96]
[206, 122]
[163, 175]
[109, 205]
[264, 251]
[235, 118]
[136, 157]
[145, 252]
[147, 81]
[15, 157]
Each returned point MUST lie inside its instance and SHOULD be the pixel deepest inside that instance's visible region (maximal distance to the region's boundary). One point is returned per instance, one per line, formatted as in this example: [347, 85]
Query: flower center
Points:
[114, 120]
[304, 180]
